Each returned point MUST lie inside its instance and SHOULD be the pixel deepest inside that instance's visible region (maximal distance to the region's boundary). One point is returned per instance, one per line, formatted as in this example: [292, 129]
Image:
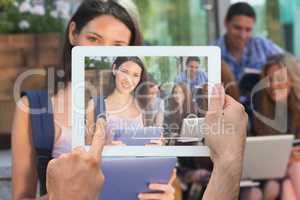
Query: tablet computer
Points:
[92, 76]
[126, 177]
[138, 137]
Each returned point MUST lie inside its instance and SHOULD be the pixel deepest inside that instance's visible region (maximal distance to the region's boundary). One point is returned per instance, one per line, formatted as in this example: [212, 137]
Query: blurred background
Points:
[33, 39]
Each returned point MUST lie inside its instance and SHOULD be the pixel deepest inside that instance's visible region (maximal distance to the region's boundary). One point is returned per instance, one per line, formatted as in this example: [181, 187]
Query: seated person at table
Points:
[239, 49]
[279, 104]
[192, 76]
[192, 172]
[178, 106]
[154, 111]
[124, 101]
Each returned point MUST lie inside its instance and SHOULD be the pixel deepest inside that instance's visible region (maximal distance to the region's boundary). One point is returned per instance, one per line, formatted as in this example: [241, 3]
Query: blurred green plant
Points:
[4, 3]
[98, 63]
[173, 22]
[32, 16]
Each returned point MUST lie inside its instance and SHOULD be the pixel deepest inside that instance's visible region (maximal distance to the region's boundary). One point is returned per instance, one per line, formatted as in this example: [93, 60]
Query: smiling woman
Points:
[124, 98]
[110, 26]
[281, 75]
[277, 112]
[95, 22]
[128, 77]
[93, 26]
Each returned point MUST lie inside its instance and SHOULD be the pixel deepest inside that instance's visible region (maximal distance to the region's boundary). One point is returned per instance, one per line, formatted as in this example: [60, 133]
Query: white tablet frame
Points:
[79, 53]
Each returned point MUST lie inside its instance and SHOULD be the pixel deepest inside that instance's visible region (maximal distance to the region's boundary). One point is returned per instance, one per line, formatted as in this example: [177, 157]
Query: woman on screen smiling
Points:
[95, 22]
[123, 107]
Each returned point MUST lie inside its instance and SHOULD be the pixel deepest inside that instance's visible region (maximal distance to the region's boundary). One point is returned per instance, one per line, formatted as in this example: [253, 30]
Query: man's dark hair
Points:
[190, 59]
[240, 9]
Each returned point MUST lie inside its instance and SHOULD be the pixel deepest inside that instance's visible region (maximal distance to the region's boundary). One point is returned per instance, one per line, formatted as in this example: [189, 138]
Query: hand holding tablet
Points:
[227, 138]
[146, 174]
[140, 172]
[226, 144]
[62, 173]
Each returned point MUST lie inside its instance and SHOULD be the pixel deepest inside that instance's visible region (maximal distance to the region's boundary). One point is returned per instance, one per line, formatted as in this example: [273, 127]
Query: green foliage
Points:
[173, 22]
[272, 22]
[11, 17]
[99, 63]
[162, 69]
[5, 3]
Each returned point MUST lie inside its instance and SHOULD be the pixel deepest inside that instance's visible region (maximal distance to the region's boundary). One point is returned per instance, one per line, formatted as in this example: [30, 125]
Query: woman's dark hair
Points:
[89, 10]
[141, 90]
[240, 9]
[174, 117]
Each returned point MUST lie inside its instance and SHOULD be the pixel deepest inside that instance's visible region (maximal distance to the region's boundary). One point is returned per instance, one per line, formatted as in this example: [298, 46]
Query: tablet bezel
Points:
[79, 53]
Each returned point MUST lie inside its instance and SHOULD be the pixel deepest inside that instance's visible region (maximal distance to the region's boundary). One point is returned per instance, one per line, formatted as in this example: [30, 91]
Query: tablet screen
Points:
[152, 98]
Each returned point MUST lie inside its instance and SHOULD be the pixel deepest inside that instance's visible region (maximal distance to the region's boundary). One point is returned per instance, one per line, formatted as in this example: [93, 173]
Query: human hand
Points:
[225, 136]
[226, 124]
[118, 143]
[163, 191]
[78, 175]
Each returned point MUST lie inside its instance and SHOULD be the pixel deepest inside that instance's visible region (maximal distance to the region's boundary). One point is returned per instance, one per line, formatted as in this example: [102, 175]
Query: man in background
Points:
[239, 48]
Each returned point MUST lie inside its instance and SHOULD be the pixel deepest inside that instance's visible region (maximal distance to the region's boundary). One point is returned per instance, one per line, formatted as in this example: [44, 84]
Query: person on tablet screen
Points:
[96, 22]
[191, 171]
[125, 100]
[154, 111]
[226, 144]
[123, 108]
[192, 76]
[178, 106]
[281, 75]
